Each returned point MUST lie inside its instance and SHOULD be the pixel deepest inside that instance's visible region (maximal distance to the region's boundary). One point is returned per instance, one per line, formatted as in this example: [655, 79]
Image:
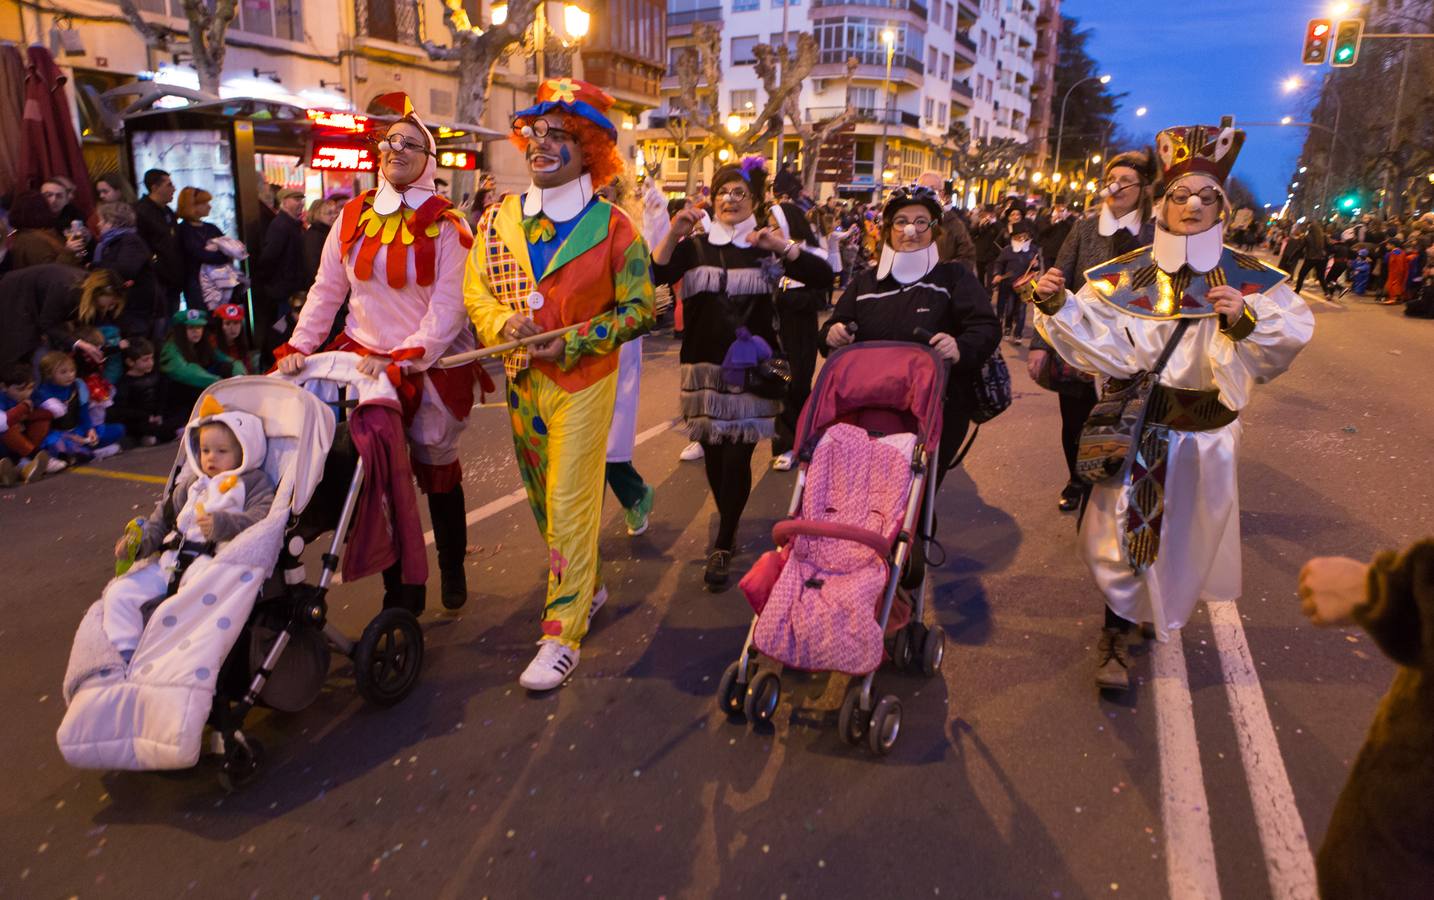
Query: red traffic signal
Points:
[1346, 42]
[1317, 35]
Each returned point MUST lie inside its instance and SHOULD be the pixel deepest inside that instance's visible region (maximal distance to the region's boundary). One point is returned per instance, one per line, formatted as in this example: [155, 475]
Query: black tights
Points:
[1075, 409]
[1114, 621]
[729, 475]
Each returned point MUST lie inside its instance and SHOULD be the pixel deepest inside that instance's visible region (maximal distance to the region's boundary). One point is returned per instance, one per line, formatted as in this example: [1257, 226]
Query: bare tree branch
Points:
[477, 51]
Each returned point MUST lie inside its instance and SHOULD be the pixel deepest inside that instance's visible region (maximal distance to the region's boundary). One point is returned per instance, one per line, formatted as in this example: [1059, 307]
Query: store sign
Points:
[338, 121]
[342, 157]
[457, 159]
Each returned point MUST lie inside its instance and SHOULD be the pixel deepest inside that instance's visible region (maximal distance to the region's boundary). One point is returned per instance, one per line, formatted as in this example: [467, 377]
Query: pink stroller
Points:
[846, 586]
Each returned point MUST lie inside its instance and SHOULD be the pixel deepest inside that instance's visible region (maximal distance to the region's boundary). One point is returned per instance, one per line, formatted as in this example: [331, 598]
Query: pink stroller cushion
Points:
[820, 615]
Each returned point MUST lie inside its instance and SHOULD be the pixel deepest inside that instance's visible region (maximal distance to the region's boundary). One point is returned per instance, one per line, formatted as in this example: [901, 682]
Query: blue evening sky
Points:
[1190, 62]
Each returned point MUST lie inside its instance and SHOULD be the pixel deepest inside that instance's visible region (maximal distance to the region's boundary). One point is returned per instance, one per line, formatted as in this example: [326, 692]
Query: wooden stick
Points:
[459, 359]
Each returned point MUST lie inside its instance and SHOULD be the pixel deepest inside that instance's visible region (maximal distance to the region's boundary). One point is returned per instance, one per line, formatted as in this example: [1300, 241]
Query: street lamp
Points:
[576, 23]
[1285, 120]
[734, 124]
[576, 20]
[1037, 176]
[1294, 83]
[1140, 111]
[1061, 129]
[888, 37]
[1095, 159]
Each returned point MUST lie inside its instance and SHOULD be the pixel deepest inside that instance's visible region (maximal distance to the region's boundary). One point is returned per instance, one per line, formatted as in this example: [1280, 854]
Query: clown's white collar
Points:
[1200, 251]
[1109, 224]
[562, 203]
[719, 234]
[907, 266]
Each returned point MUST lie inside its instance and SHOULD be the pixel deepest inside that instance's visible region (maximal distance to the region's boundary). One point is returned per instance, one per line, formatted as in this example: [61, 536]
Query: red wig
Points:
[600, 157]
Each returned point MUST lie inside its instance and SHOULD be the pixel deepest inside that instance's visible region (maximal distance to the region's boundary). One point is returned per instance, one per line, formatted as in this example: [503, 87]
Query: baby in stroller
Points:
[222, 491]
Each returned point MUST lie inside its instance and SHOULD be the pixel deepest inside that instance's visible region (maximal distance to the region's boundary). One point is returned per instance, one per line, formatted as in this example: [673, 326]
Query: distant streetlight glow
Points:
[888, 37]
[1037, 176]
[1141, 111]
[1304, 169]
[1339, 10]
[1095, 159]
[576, 20]
[734, 124]
[1292, 84]
[499, 13]
[1105, 79]
[1286, 120]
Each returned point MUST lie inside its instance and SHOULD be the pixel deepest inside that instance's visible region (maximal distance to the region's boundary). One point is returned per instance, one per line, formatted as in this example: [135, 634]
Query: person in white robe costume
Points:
[1247, 328]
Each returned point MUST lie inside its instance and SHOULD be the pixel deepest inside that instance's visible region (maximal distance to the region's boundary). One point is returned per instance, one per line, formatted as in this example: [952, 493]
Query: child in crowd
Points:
[96, 375]
[1422, 306]
[188, 362]
[228, 336]
[1397, 265]
[140, 404]
[23, 427]
[222, 491]
[1359, 271]
[74, 436]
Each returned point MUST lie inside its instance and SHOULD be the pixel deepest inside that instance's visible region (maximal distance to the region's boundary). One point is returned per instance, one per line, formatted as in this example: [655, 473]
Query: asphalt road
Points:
[1012, 777]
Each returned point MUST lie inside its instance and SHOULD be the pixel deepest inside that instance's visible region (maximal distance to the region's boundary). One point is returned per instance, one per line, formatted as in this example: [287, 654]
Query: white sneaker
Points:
[691, 452]
[105, 452]
[55, 465]
[785, 461]
[598, 600]
[550, 668]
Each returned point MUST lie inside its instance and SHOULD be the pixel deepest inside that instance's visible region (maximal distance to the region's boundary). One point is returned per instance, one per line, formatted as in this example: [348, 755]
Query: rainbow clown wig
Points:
[584, 109]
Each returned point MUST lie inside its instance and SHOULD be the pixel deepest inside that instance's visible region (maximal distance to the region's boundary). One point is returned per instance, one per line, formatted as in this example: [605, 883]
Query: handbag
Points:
[1118, 419]
[770, 378]
[991, 389]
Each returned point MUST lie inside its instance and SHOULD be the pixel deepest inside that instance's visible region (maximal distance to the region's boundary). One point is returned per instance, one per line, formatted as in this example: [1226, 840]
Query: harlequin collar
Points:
[562, 203]
[719, 234]
[907, 266]
[1200, 251]
[1109, 224]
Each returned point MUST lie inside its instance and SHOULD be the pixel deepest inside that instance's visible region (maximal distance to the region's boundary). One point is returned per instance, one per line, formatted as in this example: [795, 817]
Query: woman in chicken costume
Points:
[1164, 533]
[555, 257]
[397, 255]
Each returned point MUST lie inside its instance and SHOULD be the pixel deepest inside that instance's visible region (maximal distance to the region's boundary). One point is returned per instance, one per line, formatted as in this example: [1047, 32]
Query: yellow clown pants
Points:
[561, 443]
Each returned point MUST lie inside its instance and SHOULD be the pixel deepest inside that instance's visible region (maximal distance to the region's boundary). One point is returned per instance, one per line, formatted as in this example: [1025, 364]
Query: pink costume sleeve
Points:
[331, 287]
[446, 315]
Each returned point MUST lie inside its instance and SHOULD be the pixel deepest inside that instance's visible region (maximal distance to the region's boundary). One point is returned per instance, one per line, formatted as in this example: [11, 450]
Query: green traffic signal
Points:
[1348, 202]
[1347, 36]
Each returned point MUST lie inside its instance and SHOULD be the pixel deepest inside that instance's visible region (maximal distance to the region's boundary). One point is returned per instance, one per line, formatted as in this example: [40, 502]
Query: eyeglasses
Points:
[397, 143]
[541, 129]
[1181, 196]
[921, 225]
[735, 195]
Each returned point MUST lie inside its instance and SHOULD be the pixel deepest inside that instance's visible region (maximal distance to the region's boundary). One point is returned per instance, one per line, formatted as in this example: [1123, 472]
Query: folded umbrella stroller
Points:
[846, 585]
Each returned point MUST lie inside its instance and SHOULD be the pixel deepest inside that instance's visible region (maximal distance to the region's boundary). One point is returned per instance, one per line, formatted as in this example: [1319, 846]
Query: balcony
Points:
[865, 115]
[962, 93]
[965, 47]
[692, 16]
[397, 21]
[872, 58]
[909, 12]
[967, 12]
[1047, 12]
[908, 5]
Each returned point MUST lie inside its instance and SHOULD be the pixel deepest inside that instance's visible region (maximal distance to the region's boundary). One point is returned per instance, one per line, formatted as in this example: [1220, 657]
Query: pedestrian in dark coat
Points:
[196, 245]
[281, 266]
[797, 309]
[24, 295]
[1380, 841]
[156, 223]
[121, 250]
[1011, 265]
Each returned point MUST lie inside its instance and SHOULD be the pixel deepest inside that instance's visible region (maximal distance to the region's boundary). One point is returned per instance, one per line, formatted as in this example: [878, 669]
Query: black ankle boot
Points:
[397, 595]
[450, 538]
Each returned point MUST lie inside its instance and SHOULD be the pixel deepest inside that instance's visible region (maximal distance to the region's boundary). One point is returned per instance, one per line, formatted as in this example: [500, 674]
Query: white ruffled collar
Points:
[562, 203]
[719, 234]
[907, 266]
[389, 198]
[1200, 251]
[1109, 224]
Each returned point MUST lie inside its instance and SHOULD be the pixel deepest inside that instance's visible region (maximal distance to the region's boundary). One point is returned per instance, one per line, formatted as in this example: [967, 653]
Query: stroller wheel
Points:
[242, 758]
[763, 694]
[730, 694]
[901, 650]
[885, 725]
[933, 651]
[852, 723]
[388, 657]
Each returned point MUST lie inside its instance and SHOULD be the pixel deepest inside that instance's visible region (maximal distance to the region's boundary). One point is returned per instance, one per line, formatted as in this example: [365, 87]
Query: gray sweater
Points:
[258, 497]
[1084, 248]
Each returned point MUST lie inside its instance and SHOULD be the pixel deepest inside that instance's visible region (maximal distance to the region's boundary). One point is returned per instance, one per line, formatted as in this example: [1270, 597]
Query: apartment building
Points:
[967, 61]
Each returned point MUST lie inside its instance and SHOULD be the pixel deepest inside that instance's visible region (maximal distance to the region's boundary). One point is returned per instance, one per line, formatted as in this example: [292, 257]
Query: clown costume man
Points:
[1164, 533]
[560, 256]
[396, 254]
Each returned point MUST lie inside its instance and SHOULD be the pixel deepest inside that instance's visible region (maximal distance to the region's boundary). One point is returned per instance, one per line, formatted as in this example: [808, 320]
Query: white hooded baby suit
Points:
[235, 499]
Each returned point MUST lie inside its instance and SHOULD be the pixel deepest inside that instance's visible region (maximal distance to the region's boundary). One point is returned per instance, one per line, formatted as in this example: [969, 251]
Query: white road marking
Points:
[1184, 807]
[1282, 832]
[493, 507]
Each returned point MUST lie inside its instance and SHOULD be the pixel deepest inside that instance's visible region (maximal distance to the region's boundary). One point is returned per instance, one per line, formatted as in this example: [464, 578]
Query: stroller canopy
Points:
[885, 387]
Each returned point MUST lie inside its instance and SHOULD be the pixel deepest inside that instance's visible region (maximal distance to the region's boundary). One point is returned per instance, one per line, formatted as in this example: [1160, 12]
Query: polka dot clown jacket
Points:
[598, 279]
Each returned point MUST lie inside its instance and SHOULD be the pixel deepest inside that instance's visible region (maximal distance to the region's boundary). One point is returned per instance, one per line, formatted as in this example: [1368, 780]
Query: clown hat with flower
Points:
[584, 109]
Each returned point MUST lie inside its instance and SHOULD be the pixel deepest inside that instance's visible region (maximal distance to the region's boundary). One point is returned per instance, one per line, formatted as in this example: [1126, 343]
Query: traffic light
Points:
[1346, 42]
[1349, 201]
[1317, 41]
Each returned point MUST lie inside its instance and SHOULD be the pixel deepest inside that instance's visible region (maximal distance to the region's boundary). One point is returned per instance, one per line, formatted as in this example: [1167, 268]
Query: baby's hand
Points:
[205, 522]
[122, 547]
